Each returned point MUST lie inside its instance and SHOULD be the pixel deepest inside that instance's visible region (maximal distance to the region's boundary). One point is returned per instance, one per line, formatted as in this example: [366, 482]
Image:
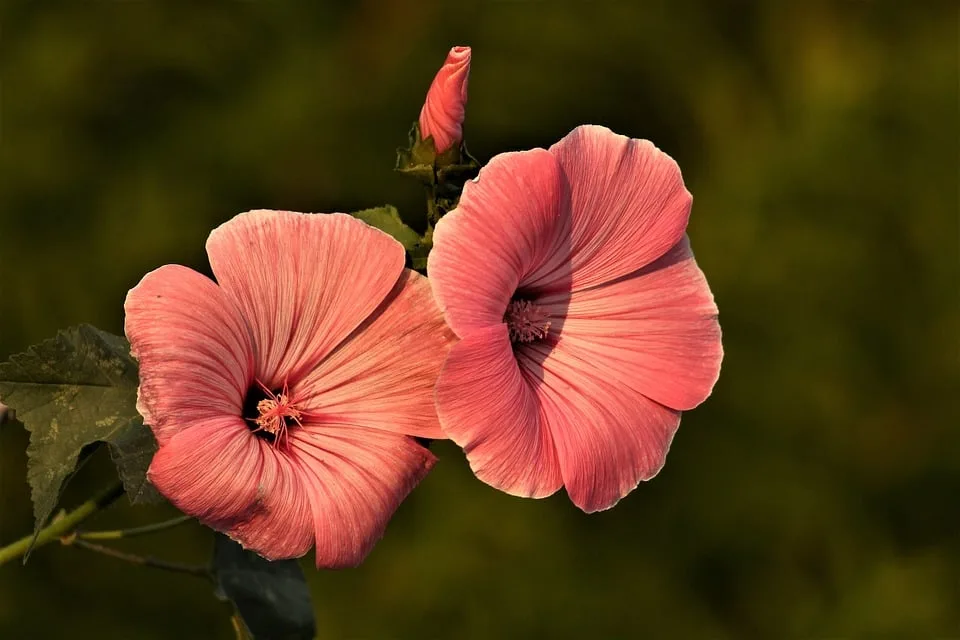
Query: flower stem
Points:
[239, 629]
[61, 525]
[433, 214]
[73, 540]
[134, 531]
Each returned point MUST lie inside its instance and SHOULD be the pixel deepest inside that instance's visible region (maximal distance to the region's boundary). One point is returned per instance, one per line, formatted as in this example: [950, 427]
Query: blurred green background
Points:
[814, 495]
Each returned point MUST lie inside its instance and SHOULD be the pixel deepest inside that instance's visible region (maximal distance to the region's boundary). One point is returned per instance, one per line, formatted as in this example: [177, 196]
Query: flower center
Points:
[526, 322]
[270, 413]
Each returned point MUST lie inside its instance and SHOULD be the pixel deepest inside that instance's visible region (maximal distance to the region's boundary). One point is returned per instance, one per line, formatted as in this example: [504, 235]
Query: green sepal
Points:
[417, 158]
[420, 160]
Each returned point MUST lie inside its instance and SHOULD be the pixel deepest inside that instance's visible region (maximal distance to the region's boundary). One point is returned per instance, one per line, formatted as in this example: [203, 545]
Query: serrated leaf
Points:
[272, 598]
[387, 219]
[70, 391]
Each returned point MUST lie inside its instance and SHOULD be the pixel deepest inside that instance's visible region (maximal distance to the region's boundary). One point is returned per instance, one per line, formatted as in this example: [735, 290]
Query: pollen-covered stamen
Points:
[526, 321]
[275, 413]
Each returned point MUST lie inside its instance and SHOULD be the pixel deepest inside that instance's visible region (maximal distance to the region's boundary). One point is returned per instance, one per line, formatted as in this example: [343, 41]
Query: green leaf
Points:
[132, 450]
[387, 219]
[272, 598]
[70, 391]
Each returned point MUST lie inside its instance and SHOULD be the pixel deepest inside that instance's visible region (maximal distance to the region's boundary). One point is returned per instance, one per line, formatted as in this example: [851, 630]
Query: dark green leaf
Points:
[132, 450]
[70, 391]
[272, 597]
[387, 219]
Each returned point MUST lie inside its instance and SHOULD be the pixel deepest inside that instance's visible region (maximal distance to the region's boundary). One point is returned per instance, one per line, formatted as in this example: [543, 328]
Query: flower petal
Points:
[382, 376]
[355, 479]
[487, 407]
[304, 282]
[196, 360]
[211, 471]
[608, 437]
[655, 331]
[282, 525]
[506, 224]
[628, 203]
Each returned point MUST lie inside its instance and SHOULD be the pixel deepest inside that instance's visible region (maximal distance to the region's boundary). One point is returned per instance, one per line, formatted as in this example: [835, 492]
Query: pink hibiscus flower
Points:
[586, 326]
[285, 397]
[445, 107]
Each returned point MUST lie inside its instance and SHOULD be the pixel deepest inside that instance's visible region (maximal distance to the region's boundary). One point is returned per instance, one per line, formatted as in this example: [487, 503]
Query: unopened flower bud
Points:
[444, 109]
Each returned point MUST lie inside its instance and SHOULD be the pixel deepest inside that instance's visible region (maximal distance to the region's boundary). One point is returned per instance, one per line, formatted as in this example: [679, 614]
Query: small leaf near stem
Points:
[387, 219]
[61, 525]
[73, 540]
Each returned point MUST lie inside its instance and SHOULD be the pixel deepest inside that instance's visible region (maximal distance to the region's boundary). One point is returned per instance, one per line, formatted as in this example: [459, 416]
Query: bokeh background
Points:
[813, 495]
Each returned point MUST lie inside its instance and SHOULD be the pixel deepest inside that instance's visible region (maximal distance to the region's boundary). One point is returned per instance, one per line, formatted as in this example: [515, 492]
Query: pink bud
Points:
[444, 109]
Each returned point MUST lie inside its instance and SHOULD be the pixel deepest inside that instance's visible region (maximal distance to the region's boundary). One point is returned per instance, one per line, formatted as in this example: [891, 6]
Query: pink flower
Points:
[585, 324]
[284, 399]
[444, 109]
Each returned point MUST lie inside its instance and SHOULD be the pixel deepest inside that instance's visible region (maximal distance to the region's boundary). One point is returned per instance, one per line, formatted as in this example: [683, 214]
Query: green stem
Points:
[61, 526]
[143, 561]
[239, 628]
[134, 531]
[433, 215]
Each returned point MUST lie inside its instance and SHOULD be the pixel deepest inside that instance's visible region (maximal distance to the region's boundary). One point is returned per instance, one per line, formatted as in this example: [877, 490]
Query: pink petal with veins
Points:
[488, 407]
[355, 478]
[196, 360]
[302, 282]
[380, 375]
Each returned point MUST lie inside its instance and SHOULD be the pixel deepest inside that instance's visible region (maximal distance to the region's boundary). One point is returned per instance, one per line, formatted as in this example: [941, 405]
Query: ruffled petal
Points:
[655, 331]
[507, 224]
[445, 106]
[282, 524]
[628, 204]
[487, 407]
[211, 471]
[608, 437]
[304, 282]
[195, 355]
[355, 480]
[234, 482]
[382, 376]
